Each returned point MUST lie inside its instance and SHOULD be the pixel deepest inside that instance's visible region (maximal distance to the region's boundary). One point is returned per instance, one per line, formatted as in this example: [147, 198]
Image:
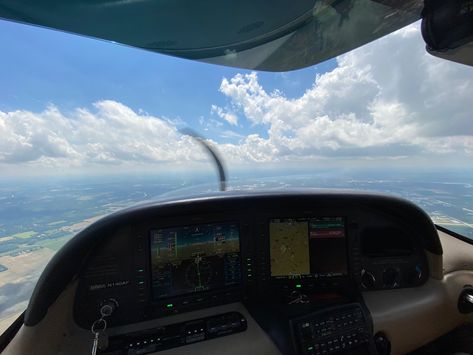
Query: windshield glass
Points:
[88, 127]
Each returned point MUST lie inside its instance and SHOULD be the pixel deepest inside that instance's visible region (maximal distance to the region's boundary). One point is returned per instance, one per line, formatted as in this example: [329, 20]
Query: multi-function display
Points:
[308, 247]
[194, 258]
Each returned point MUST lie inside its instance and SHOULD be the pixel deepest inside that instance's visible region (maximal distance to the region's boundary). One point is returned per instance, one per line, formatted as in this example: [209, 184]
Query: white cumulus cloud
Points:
[386, 100]
[112, 133]
[227, 116]
[389, 98]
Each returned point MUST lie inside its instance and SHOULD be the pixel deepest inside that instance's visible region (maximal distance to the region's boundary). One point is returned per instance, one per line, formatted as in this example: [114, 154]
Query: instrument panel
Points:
[288, 251]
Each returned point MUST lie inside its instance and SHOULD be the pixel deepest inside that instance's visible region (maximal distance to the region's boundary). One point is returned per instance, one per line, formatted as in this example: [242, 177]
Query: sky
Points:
[70, 103]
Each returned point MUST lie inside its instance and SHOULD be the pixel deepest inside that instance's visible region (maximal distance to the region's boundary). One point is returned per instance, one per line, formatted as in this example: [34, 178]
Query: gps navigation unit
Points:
[308, 247]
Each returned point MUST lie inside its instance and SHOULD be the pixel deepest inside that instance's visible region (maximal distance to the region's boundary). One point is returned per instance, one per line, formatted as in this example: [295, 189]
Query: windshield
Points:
[88, 127]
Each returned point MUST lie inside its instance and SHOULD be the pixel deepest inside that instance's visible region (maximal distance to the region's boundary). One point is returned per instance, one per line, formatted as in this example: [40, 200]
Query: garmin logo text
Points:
[95, 287]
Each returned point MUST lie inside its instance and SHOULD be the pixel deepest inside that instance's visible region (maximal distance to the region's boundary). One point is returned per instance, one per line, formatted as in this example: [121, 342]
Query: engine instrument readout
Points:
[308, 247]
[194, 258]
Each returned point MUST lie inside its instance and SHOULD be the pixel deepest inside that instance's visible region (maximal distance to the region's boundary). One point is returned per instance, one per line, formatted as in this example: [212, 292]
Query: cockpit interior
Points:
[290, 272]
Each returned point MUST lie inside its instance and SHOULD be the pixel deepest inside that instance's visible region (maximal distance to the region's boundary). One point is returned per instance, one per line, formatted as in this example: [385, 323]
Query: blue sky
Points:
[71, 102]
[43, 66]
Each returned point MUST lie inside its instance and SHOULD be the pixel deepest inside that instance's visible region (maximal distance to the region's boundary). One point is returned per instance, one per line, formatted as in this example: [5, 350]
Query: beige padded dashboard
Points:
[457, 255]
[413, 317]
[57, 334]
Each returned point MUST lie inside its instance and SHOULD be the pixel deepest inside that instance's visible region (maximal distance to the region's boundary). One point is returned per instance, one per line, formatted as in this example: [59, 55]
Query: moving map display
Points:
[308, 247]
[194, 258]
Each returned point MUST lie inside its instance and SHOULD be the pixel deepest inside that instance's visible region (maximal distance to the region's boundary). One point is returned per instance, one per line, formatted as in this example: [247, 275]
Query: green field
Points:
[54, 244]
[57, 222]
[24, 235]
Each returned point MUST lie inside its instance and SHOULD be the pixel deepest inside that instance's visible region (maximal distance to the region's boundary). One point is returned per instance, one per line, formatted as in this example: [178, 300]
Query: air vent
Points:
[104, 266]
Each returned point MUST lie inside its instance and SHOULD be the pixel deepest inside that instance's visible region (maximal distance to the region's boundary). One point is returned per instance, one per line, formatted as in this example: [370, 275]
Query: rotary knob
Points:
[391, 278]
[415, 275]
[368, 280]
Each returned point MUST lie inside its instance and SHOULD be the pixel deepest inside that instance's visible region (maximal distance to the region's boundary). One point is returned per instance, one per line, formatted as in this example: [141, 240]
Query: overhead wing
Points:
[271, 35]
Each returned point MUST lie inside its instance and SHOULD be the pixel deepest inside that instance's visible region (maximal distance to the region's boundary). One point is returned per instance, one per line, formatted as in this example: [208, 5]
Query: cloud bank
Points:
[112, 133]
[386, 100]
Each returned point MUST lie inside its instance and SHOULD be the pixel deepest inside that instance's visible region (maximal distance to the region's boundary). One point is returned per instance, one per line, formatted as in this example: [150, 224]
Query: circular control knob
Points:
[391, 278]
[367, 279]
[415, 275]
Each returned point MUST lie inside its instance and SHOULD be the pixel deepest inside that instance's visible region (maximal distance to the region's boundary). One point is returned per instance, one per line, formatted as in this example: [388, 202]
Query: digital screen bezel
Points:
[155, 298]
[310, 276]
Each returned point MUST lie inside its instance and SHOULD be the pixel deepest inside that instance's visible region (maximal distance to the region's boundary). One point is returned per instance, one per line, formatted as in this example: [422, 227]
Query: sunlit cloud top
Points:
[387, 100]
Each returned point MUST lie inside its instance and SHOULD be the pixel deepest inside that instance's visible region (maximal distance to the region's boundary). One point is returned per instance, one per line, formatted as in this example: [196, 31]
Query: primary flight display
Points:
[194, 258]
